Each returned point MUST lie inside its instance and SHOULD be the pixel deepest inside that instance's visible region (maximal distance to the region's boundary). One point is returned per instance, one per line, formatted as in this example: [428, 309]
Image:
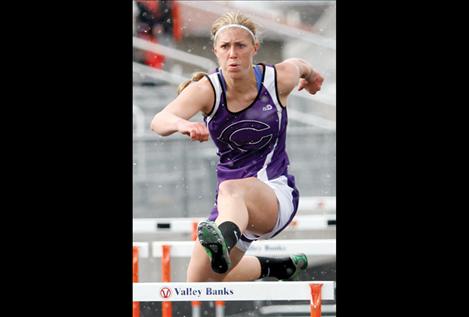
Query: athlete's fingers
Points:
[204, 137]
[185, 128]
[316, 84]
[192, 134]
[204, 133]
[197, 131]
[200, 132]
[314, 87]
[302, 84]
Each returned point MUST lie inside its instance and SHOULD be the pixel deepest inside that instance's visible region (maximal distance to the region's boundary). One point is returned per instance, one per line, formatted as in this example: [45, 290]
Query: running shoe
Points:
[301, 264]
[212, 240]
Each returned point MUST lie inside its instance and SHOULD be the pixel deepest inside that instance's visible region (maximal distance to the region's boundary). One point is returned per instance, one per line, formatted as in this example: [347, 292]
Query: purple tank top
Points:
[251, 142]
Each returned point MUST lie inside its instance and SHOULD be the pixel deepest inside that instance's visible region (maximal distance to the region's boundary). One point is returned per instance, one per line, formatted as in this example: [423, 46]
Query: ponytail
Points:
[195, 77]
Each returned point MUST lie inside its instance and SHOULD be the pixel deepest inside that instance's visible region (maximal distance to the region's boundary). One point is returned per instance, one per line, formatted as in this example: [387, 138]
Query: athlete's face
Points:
[235, 50]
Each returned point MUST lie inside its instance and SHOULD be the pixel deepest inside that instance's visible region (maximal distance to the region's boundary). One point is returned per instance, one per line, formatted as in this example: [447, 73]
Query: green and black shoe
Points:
[212, 240]
[301, 263]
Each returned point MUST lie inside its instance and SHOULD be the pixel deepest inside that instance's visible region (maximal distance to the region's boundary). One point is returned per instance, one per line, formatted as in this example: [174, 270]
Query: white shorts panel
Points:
[286, 208]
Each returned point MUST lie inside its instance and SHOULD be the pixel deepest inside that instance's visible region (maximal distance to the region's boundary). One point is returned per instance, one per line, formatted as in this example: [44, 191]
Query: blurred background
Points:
[174, 177]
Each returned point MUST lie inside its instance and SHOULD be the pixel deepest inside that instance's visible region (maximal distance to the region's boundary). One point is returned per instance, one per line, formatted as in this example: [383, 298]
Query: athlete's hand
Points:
[312, 84]
[197, 131]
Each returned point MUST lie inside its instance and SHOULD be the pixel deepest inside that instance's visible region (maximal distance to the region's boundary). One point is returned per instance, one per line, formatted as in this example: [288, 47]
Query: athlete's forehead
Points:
[233, 35]
[233, 41]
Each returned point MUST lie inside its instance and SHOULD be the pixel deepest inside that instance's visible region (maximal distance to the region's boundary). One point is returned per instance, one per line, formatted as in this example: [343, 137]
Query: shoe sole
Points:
[211, 239]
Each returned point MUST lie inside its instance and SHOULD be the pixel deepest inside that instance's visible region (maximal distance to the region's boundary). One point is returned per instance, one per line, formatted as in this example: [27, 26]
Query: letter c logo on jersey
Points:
[246, 135]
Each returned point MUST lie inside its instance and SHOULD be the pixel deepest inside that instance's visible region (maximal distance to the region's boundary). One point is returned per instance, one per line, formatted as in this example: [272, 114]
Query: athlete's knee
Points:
[232, 188]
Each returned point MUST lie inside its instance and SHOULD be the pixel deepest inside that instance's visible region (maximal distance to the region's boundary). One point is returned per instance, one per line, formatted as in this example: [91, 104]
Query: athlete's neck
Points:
[241, 84]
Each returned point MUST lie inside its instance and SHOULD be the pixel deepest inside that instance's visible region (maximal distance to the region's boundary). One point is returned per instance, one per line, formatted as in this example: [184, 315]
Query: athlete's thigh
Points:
[262, 205]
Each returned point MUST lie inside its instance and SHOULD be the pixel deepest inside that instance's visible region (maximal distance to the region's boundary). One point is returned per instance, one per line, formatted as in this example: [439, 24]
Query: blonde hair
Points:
[233, 18]
[195, 77]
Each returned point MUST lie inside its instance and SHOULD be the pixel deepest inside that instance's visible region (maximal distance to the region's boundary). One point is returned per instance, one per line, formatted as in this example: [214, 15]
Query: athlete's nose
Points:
[232, 52]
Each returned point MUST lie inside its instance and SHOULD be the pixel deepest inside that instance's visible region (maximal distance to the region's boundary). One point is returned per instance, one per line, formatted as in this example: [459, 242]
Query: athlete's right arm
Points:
[198, 96]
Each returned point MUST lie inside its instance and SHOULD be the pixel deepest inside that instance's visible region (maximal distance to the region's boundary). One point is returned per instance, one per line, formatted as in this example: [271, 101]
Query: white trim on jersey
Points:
[216, 84]
[269, 84]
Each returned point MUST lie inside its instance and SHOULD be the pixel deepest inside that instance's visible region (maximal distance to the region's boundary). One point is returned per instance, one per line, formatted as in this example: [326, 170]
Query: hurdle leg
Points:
[166, 307]
[219, 308]
[195, 304]
[135, 305]
[196, 308]
[315, 306]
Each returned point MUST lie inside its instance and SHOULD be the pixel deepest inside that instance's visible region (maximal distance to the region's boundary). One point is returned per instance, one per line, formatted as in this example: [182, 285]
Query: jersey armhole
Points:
[214, 97]
[276, 87]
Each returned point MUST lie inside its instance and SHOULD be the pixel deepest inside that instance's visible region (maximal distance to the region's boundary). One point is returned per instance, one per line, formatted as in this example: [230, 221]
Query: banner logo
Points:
[165, 292]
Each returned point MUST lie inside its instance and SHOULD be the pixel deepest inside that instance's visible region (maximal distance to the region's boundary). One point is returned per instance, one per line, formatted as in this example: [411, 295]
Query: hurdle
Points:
[186, 225]
[167, 249]
[139, 250]
[317, 203]
[135, 305]
[314, 292]
[315, 247]
[143, 249]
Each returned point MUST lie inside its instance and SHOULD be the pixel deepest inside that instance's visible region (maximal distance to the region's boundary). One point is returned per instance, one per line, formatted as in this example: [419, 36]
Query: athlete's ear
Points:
[256, 47]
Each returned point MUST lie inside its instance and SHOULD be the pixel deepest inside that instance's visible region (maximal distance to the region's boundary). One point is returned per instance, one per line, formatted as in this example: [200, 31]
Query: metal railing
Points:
[173, 53]
[283, 29]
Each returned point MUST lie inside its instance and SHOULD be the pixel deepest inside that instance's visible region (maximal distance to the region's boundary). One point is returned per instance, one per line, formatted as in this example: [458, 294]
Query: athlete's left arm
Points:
[296, 71]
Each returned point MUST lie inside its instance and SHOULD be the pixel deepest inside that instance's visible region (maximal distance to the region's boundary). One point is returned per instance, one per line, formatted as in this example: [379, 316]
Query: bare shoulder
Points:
[287, 77]
[199, 94]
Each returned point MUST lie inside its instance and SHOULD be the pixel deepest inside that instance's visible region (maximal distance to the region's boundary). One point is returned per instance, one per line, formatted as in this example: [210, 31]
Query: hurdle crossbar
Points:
[318, 203]
[230, 291]
[184, 225]
[259, 247]
[143, 249]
